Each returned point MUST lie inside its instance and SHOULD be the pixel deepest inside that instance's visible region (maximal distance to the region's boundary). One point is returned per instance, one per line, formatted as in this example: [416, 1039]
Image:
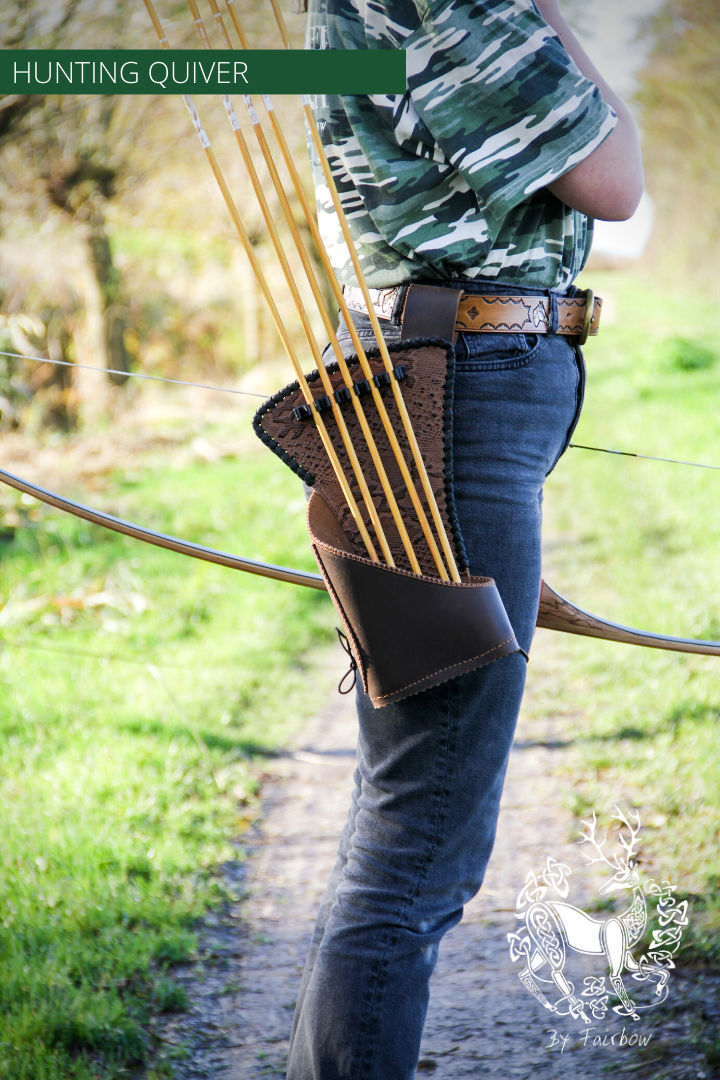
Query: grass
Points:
[637, 542]
[124, 779]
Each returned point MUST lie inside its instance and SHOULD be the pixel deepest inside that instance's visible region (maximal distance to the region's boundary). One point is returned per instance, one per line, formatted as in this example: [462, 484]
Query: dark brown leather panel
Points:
[408, 633]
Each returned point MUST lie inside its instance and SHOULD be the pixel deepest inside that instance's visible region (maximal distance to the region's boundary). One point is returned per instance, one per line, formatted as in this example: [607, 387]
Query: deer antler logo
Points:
[553, 929]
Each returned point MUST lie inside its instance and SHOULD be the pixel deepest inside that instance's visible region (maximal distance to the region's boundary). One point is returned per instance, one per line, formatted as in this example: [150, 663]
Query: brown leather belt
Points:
[431, 310]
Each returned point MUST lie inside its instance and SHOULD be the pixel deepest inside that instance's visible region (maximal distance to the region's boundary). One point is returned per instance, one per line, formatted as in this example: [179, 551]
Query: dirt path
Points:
[481, 1022]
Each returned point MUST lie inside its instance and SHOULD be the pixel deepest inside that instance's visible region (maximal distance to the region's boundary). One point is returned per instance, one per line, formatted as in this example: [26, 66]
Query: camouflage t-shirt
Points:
[449, 180]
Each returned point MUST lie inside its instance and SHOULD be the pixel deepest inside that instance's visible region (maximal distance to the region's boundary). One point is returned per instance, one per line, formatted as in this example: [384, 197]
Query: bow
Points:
[554, 612]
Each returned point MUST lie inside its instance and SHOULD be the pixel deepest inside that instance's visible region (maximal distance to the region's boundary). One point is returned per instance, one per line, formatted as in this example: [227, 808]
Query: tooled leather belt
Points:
[435, 311]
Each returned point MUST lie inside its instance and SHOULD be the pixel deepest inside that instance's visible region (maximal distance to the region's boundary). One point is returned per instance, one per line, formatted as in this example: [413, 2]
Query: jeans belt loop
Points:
[399, 304]
[553, 317]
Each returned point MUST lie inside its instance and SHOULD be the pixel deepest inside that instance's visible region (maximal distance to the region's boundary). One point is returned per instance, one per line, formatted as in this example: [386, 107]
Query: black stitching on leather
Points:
[268, 440]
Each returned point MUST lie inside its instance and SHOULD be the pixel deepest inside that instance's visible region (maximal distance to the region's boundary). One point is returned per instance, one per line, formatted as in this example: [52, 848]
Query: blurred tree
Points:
[110, 220]
[680, 98]
[72, 153]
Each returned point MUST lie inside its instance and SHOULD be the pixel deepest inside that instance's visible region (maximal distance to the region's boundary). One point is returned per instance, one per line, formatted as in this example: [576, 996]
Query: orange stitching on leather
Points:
[380, 697]
[485, 583]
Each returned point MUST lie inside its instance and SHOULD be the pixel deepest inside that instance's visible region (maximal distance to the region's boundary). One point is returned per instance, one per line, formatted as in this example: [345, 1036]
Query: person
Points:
[484, 177]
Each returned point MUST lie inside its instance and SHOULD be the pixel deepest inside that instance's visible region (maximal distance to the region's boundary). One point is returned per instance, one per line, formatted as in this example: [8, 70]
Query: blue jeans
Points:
[431, 768]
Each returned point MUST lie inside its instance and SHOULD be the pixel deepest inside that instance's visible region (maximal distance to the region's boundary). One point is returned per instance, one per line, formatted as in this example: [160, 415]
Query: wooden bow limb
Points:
[555, 612]
[171, 543]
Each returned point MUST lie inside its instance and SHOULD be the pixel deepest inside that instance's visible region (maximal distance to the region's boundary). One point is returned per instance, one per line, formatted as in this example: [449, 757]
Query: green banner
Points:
[190, 71]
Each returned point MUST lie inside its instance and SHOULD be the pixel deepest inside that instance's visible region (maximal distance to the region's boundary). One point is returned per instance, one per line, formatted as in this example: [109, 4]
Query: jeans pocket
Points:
[495, 352]
[390, 333]
[579, 399]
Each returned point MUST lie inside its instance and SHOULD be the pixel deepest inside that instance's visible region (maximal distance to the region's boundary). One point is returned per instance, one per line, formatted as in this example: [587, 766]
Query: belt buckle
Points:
[589, 316]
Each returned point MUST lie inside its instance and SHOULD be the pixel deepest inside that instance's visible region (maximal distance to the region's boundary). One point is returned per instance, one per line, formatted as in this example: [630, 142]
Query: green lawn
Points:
[638, 542]
[124, 779]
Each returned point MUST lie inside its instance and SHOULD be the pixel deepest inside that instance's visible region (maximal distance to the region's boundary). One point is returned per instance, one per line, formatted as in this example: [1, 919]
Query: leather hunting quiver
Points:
[407, 632]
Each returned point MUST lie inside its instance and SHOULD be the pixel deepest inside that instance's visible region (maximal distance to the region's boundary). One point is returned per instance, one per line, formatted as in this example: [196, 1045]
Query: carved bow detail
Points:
[554, 613]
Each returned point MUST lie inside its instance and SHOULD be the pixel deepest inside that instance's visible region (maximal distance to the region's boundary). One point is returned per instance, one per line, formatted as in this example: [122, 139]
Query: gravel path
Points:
[481, 1022]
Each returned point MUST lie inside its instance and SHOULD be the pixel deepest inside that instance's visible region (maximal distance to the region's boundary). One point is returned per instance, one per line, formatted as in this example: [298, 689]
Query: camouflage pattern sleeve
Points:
[449, 180]
[497, 90]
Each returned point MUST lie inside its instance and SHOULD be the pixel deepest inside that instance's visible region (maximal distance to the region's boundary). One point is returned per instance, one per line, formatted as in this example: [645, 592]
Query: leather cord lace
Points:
[352, 670]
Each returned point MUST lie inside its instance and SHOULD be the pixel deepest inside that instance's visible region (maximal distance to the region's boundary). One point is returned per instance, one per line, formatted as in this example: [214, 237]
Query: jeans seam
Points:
[477, 367]
[579, 401]
[422, 873]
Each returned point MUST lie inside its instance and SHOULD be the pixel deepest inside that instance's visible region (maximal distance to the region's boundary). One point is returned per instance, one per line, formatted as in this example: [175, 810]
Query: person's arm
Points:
[609, 183]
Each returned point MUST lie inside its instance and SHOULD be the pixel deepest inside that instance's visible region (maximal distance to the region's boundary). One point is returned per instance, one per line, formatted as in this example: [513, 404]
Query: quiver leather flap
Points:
[408, 632]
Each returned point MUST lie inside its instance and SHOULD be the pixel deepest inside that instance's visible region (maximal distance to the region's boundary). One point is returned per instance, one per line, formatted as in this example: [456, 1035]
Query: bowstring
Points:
[134, 375]
[31, 645]
[644, 457]
[248, 393]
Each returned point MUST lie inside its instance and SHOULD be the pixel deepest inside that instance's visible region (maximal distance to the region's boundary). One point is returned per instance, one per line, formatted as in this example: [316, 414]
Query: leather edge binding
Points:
[268, 440]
